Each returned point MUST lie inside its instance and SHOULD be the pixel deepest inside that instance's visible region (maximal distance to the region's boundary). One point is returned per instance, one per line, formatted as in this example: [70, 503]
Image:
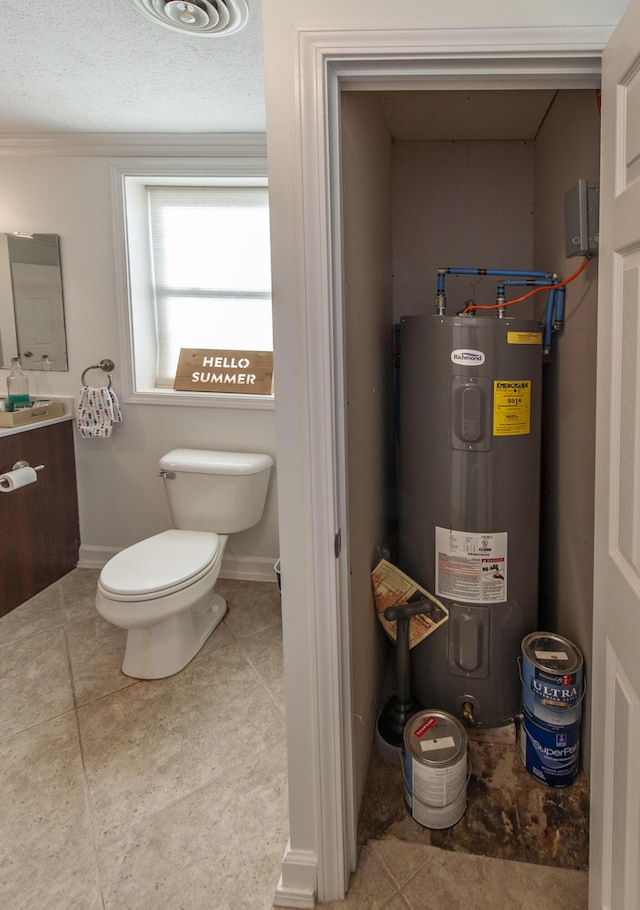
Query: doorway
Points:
[312, 338]
[464, 178]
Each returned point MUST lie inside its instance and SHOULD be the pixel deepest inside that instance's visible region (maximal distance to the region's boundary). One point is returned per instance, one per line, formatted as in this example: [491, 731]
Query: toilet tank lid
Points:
[205, 461]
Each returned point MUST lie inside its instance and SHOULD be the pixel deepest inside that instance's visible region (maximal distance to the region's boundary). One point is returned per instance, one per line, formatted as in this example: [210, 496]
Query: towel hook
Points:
[106, 365]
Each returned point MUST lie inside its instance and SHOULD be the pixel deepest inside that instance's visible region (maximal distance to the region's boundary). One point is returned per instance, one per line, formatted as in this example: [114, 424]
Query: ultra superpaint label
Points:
[511, 407]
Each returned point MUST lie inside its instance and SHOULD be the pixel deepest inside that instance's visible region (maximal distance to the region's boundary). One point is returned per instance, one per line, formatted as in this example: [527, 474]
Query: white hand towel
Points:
[98, 410]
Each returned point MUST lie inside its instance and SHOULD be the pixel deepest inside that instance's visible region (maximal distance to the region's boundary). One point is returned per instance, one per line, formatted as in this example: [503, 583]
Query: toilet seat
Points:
[160, 565]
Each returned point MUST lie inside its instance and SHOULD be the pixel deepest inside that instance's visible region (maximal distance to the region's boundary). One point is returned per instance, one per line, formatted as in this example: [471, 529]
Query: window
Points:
[211, 270]
[195, 273]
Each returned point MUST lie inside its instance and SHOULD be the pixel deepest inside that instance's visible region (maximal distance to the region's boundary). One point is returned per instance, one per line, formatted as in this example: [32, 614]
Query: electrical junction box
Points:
[582, 219]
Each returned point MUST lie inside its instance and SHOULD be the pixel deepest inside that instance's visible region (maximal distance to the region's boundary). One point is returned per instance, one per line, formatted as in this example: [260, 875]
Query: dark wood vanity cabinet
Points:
[39, 528]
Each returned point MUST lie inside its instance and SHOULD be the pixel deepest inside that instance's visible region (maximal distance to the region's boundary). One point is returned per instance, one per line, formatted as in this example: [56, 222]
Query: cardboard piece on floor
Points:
[392, 587]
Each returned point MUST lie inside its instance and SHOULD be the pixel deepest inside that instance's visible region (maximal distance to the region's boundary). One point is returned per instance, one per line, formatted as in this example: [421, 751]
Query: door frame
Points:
[322, 849]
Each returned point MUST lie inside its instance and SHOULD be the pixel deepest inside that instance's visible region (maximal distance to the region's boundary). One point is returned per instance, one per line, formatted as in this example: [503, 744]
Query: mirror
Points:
[31, 305]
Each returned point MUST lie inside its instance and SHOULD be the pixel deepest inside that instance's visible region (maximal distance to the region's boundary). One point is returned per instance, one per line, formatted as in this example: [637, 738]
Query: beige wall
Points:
[366, 151]
[567, 149]
[462, 204]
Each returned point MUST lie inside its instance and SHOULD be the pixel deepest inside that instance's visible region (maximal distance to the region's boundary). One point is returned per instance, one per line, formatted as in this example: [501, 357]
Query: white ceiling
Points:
[74, 66]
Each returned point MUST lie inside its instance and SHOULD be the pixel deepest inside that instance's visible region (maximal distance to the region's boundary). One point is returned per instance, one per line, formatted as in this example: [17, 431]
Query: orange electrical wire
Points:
[545, 287]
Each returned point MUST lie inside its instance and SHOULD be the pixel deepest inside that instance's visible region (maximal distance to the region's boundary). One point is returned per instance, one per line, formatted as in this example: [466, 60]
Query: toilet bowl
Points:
[162, 589]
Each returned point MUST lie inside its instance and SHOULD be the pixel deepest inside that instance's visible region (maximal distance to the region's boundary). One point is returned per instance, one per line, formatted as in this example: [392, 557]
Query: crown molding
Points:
[176, 145]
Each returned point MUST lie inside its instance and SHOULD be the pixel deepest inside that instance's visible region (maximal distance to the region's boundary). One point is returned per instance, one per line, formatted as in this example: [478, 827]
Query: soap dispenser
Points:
[17, 386]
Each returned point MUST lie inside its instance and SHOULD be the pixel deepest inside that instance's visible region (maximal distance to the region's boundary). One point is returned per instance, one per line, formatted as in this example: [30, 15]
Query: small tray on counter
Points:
[45, 410]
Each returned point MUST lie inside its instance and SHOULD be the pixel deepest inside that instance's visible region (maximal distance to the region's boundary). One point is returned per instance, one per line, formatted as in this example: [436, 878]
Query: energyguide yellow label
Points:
[524, 337]
[511, 407]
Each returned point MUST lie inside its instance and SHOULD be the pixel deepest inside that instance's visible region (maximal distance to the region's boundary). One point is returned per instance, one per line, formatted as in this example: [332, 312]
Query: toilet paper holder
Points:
[25, 464]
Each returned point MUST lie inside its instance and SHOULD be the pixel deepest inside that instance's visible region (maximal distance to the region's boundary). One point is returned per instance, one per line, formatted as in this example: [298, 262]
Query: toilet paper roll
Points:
[13, 480]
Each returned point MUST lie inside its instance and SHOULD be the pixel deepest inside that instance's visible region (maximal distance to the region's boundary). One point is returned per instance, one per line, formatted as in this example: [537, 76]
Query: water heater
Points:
[470, 401]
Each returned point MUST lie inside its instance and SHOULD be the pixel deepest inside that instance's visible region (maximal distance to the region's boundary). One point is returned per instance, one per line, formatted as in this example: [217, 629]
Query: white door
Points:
[37, 301]
[615, 669]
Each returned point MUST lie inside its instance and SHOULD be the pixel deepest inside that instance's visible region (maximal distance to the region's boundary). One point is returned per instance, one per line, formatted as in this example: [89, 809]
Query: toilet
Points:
[162, 589]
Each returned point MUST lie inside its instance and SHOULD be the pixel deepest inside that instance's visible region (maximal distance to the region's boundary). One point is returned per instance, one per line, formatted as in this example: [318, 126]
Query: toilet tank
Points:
[224, 492]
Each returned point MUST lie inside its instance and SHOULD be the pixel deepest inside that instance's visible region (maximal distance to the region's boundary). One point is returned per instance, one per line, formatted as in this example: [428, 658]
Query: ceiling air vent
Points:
[213, 18]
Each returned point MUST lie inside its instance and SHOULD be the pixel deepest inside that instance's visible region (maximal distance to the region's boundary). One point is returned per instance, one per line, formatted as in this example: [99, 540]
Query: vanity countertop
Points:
[68, 415]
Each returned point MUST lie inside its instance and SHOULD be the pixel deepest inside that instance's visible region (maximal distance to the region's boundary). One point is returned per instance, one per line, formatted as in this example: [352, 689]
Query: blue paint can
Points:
[552, 674]
[550, 754]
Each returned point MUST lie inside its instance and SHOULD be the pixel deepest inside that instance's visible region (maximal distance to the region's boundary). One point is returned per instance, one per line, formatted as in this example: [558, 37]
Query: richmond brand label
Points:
[468, 358]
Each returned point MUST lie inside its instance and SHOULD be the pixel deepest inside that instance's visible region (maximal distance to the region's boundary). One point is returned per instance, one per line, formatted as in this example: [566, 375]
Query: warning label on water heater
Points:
[471, 567]
[511, 407]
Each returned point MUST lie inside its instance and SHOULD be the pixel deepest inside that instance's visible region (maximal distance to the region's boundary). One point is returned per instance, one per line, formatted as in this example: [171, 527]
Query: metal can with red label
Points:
[435, 765]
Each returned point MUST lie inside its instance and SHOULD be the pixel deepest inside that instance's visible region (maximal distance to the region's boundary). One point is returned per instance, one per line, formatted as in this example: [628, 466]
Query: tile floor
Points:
[121, 794]
[398, 875]
[519, 846]
[125, 794]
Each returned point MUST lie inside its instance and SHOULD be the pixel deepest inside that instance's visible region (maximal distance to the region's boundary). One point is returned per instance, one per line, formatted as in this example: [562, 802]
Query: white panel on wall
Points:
[623, 747]
[627, 419]
[631, 144]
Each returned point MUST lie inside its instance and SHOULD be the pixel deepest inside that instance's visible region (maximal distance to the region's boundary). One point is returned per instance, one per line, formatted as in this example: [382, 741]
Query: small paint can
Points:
[552, 675]
[435, 766]
[550, 753]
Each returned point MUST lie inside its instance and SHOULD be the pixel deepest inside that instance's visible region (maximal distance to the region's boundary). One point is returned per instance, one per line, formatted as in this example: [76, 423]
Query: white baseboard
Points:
[245, 568]
[248, 568]
[95, 557]
[297, 885]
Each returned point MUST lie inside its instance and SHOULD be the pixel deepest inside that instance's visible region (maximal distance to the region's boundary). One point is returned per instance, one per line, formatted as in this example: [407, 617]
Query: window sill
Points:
[201, 399]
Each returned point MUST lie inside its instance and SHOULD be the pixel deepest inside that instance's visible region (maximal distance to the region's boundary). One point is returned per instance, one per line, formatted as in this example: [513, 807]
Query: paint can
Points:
[552, 675]
[550, 753]
[435, 767]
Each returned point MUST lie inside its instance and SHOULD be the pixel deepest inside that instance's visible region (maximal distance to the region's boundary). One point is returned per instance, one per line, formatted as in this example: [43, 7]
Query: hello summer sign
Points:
[238, 372]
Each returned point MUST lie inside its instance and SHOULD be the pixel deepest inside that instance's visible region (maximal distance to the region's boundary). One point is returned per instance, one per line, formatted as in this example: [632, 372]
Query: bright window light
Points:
[211, 270]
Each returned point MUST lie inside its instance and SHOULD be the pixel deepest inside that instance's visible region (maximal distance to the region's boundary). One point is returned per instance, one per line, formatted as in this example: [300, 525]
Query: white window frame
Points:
[136, 305]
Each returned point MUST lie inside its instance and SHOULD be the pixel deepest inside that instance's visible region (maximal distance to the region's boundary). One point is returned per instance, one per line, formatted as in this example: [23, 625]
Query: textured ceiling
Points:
[78, 67]
[73, 66]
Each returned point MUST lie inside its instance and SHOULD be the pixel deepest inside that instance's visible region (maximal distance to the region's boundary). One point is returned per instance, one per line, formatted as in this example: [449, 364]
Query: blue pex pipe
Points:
[559, 316]
[518, 278]
[554, 312]
[530, 282]
[548, 321]
[502, 273]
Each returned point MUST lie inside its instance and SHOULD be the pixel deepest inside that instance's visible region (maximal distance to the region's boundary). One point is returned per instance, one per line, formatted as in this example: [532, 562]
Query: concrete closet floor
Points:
[509, 815]
[519, 844]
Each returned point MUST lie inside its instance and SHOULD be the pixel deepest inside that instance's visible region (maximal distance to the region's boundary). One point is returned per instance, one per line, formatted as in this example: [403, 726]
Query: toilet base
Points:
[166, 647]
